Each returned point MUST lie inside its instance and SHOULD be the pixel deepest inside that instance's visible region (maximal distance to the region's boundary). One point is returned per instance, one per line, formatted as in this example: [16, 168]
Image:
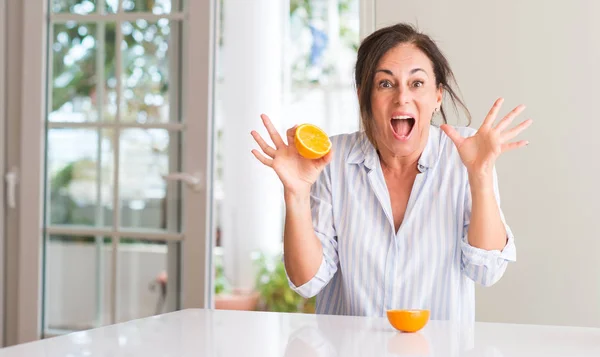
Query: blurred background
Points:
[116, 135]
[130, 189]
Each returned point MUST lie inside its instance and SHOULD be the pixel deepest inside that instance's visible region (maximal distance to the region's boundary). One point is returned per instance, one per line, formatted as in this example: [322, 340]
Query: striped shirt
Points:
[368, 267]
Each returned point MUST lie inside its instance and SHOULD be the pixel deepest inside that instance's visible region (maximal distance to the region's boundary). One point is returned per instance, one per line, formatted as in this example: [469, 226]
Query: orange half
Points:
[408, 320]
[311, 141]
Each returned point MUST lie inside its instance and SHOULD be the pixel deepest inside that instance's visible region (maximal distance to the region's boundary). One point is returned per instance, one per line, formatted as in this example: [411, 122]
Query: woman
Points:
[402, 215]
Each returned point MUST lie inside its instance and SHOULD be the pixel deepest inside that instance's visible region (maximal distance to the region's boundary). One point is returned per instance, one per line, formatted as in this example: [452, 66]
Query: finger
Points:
[505, 122]
[452, 134]
[509, 135]
[263, 145]
[514, 145]
[272, 131]
[327, 158]
[261, 158]
[489, 119]
[291, 135]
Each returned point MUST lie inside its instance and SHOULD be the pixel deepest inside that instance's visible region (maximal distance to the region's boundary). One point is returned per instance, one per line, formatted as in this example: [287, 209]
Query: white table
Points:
[235, 333]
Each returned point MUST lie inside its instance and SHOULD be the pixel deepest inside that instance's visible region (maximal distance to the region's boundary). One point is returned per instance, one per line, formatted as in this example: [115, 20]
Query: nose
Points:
[402, 95]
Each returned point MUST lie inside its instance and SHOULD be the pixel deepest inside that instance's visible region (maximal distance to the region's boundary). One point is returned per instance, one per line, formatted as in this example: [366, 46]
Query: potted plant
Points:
[274, 289]
[228, 298]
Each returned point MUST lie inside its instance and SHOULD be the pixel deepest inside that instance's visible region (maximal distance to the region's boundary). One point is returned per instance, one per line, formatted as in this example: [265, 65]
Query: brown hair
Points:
[376, 45]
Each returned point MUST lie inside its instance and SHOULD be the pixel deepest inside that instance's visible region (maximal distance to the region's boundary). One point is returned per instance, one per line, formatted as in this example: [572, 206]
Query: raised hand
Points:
[295, 172]
[480, 151]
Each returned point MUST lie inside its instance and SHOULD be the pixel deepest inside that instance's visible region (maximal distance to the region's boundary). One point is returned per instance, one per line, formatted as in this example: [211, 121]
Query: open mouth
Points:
[402, 126]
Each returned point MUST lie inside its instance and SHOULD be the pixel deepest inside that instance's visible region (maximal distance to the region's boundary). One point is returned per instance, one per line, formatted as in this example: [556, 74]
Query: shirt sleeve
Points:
[323, 225]
[482, 266]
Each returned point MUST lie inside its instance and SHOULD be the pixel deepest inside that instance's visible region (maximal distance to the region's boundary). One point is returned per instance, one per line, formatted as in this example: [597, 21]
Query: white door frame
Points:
[30, 203]
[3, 28]
[196, 277]
[198, 80]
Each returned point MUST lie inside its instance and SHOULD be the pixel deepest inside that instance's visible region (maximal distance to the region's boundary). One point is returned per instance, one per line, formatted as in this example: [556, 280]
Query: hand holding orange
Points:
[299, 162]
[311, 141]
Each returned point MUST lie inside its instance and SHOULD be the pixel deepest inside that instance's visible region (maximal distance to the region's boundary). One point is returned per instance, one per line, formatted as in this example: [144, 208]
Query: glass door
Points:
[126, 220]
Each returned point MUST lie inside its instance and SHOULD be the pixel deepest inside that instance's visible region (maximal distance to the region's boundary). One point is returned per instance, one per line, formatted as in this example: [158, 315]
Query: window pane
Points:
[81, 7]
[78, 84]
[312, 51]
[147, 58]
[78, 7]
[143, 278]
[111, 6]
[109, 94]
[80, 177]
[77, 282]
[74, 51]
[144, 160]
[322, 65]
[157, 7]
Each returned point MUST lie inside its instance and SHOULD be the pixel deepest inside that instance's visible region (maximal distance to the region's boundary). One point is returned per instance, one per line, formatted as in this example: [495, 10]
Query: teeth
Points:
[402, 117]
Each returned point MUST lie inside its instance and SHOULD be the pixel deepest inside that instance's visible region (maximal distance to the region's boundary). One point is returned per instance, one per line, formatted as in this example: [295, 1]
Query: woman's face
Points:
[403, 99]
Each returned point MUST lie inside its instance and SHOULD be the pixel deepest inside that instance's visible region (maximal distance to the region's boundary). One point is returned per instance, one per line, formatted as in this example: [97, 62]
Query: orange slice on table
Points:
[311, 141]
[408, 320]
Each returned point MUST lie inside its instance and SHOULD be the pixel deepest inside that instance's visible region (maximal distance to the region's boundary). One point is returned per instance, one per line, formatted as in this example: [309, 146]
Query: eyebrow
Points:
[412, 71]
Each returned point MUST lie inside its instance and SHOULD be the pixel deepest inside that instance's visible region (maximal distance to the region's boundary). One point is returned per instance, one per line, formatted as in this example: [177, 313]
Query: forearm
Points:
[486, 230]
[303, 251]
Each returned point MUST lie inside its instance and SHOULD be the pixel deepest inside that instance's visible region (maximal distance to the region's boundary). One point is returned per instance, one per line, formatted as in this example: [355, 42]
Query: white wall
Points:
[544, 54]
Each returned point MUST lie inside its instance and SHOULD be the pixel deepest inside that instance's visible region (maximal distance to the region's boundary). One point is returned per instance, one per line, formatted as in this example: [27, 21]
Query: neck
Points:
[398, 165]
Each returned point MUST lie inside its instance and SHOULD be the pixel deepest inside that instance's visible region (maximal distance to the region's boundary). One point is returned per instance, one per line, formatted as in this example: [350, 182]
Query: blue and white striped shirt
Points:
[428, 263]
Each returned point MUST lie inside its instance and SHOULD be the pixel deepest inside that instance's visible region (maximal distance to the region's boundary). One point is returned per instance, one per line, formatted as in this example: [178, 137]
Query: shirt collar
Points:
[364, 152]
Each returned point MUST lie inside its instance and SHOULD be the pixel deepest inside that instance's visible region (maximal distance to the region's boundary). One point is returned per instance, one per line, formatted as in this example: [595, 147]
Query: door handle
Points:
[12, 179]
[194, 181]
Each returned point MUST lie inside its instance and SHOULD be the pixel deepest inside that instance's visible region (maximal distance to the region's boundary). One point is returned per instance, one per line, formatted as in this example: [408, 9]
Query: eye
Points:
[417, 84]
[385, 84]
